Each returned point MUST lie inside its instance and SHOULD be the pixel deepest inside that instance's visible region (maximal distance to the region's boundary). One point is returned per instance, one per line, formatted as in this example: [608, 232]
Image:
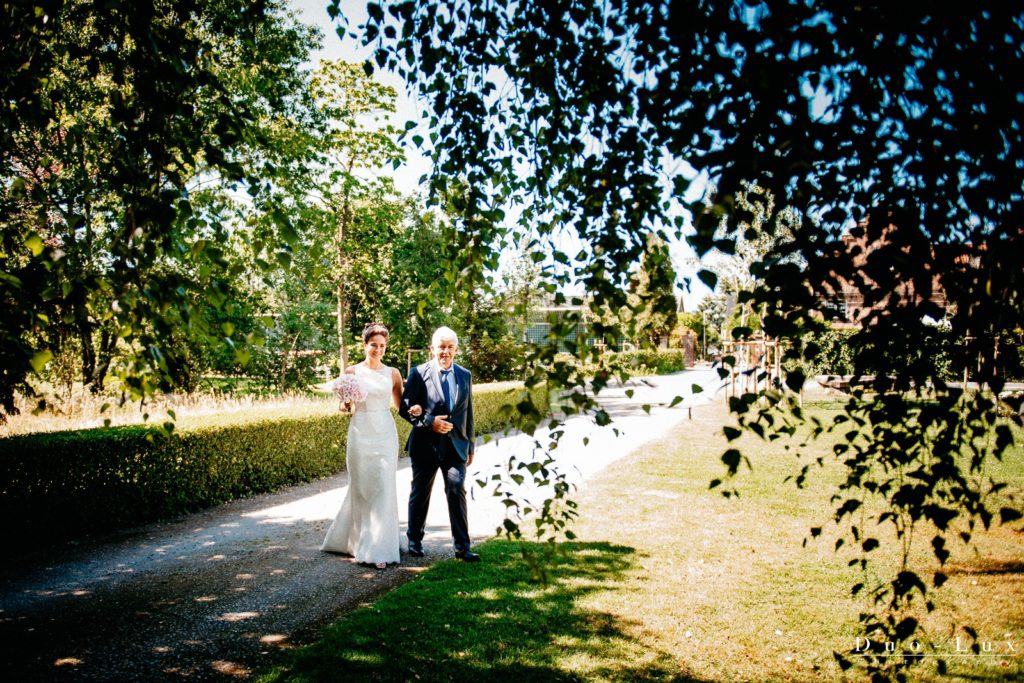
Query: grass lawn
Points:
[669, 581]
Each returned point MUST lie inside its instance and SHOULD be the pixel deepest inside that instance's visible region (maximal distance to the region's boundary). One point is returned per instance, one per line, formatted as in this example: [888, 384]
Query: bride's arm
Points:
[396, 387]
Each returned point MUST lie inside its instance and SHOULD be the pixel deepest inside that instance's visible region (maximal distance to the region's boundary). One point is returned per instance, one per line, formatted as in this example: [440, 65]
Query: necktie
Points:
[446, 389]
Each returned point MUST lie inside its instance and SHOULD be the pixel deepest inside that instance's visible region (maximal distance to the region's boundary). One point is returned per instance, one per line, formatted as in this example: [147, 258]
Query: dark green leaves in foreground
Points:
[888, 139]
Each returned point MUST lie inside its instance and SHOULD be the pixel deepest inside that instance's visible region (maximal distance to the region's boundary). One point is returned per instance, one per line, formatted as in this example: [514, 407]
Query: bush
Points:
[634, 363]
[649, 362]
[937, 352]
[69, 483]
[835, 355]
[64, 484]
[496, 360]
[494, 404]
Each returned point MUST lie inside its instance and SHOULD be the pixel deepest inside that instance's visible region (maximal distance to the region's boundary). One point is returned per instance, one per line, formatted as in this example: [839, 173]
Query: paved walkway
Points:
[212, 595]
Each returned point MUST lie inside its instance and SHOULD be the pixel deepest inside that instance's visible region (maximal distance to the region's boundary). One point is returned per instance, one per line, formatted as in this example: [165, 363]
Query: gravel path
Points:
[213, 595]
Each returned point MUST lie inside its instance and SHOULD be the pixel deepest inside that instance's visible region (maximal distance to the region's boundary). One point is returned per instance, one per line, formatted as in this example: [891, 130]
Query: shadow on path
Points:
[206, 597]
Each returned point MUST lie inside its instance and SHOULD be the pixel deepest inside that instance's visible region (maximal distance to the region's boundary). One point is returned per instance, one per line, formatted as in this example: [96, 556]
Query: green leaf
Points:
[35, 244]
[40, 359]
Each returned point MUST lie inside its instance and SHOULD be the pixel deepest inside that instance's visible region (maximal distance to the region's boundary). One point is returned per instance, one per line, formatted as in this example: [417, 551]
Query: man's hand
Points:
[441, 424]
[469, 460]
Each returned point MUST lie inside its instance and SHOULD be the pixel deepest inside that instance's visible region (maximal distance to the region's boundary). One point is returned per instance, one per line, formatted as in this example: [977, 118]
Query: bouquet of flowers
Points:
[347, 389]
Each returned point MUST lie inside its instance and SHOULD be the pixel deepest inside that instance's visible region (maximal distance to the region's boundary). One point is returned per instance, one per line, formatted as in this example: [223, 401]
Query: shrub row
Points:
[644, 362]
[649, 362]
[62, 484]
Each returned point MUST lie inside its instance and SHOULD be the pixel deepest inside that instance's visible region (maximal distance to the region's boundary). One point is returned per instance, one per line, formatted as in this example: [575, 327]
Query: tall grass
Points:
[86, 410]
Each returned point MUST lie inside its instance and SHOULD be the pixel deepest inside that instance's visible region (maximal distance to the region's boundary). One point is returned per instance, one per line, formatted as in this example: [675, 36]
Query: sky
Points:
[407, 177]
[314, 12]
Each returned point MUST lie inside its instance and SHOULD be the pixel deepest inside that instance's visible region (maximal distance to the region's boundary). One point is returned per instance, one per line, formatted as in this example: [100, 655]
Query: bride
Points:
[366, 526]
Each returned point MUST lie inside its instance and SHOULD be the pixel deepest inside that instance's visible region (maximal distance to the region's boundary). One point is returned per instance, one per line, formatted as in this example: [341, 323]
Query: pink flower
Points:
[347, 389]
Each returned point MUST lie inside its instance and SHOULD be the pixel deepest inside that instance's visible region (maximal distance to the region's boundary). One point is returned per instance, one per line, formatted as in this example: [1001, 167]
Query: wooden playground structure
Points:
[757, 365]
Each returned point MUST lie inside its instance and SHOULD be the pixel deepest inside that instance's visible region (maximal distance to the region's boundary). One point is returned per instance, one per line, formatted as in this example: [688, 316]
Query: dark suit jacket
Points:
[423, 388]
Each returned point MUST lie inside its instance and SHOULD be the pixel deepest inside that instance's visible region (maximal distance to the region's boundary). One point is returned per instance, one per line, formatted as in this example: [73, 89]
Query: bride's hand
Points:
[415, 411]
[345, 407]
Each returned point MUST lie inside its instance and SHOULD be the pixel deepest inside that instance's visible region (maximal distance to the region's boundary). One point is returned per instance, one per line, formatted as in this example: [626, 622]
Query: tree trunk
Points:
[342, 325]
[108, 344]
[285, 360]
[88, 353]
[343, 225]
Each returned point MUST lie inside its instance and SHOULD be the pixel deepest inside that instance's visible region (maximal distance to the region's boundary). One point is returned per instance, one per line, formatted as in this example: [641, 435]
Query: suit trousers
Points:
[425, 467]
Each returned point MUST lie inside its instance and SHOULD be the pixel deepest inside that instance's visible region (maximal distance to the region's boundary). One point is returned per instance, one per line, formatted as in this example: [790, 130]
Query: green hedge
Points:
[635, 363]
[649, 362]
[63, 484]
[494, 404]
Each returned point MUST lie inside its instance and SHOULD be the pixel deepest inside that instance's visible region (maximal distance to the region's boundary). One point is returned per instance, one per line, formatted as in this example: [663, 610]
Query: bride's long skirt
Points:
[366, 526]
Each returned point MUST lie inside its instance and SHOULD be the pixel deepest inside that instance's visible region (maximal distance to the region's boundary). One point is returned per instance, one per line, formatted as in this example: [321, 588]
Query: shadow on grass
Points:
[987, 567]
[488, 621]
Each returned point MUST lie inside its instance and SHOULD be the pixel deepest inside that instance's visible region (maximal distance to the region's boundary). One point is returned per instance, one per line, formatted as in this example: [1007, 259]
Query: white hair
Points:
[443, 334]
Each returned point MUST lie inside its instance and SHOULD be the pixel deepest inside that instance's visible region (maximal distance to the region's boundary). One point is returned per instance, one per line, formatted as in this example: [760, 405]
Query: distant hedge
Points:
[635, 363]
[64, 484]
[650, 362]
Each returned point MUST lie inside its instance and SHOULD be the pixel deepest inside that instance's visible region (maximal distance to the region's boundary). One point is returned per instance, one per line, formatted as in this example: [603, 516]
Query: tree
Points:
[648, 314]
[520, 279]
[895, 123]
[732, 266]
[393, 271]
[358, 141]
[116, 112]
[652, 294]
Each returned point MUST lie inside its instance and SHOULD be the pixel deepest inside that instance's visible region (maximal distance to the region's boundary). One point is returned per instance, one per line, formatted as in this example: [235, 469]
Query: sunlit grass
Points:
[670, 581]
[201, 409]
[88, 411]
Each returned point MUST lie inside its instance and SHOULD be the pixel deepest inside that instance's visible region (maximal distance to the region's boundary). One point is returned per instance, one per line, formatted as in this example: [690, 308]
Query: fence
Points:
[756, 366]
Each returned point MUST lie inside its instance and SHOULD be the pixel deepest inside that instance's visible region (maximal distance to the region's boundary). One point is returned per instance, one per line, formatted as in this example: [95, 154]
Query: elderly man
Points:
[441, 439]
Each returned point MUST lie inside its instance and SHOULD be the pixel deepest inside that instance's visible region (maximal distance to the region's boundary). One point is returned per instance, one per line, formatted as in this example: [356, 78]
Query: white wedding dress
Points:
[366, 526]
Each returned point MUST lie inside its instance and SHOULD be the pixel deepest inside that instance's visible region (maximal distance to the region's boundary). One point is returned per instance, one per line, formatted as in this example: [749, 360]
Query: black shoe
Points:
[467, 556]
[416, 550]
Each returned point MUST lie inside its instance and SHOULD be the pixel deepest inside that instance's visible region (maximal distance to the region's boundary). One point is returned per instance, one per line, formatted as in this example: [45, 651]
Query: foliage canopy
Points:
[119, 118]
[889, 132]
